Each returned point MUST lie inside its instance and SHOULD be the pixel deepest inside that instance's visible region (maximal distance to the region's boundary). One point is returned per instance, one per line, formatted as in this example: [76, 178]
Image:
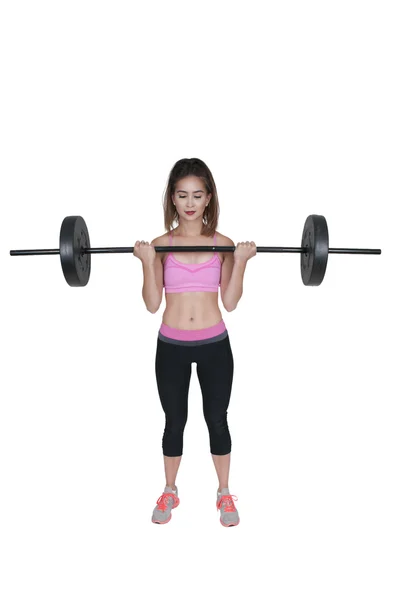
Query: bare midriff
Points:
[192, 310]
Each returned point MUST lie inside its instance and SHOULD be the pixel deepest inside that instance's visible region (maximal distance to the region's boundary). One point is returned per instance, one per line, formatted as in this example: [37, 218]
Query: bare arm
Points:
[152, 289]
[234, 290]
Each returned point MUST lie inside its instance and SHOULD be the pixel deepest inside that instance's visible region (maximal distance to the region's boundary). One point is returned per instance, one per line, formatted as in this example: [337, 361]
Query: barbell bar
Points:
[75, 250]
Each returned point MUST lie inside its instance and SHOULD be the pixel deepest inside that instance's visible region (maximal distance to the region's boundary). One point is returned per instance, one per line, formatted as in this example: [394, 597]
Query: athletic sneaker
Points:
[167, 501]
[229, 514]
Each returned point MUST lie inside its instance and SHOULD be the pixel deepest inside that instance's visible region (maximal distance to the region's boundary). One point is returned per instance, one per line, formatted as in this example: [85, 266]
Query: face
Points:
[190, 195]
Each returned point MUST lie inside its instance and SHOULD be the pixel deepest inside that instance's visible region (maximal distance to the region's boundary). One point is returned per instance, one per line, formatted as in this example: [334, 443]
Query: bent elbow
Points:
[153, 309]
[229, 308]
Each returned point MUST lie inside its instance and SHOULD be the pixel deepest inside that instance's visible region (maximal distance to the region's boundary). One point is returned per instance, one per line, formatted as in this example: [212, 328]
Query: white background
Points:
[293, 106]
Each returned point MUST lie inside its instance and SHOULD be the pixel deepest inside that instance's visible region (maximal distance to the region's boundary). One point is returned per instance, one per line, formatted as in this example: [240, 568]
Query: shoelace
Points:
[227, 502]
[163, 500]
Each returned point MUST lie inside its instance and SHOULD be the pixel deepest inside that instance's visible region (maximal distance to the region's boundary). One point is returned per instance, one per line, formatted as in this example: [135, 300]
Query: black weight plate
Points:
[316, 239]
[72, 240]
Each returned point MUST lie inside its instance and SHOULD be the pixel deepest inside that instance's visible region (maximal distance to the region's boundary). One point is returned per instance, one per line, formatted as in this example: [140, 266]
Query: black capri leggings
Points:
[215, 368]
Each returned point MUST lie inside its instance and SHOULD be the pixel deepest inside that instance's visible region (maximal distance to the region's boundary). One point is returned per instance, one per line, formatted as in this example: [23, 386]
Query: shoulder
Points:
[223, 240]
[161, 240]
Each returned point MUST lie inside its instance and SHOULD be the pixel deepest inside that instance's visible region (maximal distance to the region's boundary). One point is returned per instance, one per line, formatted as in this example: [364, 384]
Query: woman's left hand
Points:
[244, 251]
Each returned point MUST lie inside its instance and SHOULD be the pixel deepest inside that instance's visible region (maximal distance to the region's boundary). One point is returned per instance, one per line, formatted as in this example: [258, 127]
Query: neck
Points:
[190, 229]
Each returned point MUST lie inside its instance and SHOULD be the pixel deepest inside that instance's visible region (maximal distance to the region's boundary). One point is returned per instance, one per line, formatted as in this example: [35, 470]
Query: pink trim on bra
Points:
[190, 265]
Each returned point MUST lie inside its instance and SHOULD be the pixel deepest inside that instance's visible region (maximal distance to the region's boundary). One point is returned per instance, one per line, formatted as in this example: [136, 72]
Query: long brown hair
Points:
[181, 169]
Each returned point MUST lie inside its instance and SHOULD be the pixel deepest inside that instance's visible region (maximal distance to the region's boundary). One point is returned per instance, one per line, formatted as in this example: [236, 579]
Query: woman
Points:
[192, 328]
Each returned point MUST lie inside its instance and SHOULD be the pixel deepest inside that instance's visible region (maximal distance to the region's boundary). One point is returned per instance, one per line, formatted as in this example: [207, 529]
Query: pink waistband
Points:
[192, 334]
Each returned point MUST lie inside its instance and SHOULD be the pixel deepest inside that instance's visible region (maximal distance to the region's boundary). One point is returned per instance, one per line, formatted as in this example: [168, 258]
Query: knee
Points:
[173, 436]
[175, 425]
[217, 424]
[173, 441]
[220, 438]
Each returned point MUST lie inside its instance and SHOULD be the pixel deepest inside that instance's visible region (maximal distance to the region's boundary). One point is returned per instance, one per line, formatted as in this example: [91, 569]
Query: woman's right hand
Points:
[145, 252]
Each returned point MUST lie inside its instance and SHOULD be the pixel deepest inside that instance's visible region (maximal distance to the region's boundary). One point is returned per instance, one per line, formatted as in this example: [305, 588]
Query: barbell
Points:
[75, 251]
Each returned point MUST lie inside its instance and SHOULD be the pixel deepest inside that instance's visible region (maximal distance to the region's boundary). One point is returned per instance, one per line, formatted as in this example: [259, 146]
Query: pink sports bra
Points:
[182, 277]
